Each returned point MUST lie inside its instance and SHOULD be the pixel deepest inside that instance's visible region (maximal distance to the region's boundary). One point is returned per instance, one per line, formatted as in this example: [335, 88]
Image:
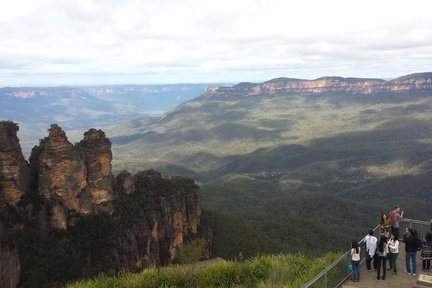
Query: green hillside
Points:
[293, 168]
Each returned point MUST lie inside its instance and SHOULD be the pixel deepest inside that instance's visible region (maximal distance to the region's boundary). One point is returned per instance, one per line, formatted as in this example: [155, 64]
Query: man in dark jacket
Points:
[411, 247]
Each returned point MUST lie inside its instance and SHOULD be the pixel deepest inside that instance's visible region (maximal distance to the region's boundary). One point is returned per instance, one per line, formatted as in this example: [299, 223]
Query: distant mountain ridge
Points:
[83, 107]
[413, 82]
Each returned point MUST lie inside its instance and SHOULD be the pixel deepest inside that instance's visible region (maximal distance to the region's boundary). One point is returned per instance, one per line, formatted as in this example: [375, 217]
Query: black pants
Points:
[381, 262]
[369, 259]
[426, 264]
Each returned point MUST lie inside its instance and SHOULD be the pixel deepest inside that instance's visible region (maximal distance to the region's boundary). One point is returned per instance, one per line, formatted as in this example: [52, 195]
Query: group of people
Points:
[386, 248]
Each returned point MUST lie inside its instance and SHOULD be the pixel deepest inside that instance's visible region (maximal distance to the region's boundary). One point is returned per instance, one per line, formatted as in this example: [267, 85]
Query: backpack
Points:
[392, 218]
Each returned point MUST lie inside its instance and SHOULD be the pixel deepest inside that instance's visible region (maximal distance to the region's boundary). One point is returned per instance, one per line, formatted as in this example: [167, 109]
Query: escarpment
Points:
[123, 223]
[15, 172]
[414, 83]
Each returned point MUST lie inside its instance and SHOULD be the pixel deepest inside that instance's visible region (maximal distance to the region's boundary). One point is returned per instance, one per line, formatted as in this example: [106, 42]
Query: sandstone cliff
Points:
[74, 180]
[15, 173]
[420, 82]
[117, 224]
[171, 217]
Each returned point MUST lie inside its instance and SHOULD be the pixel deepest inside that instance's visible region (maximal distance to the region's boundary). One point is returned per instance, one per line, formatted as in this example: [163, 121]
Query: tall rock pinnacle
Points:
[15, 173]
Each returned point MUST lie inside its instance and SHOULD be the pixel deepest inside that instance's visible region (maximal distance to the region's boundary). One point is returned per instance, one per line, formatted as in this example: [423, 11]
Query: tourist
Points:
[393, 245]
[355, 260]
[370, 242]
[382, 251]
[395, 217]
[385, 225]
[426, 252]
[411, 246]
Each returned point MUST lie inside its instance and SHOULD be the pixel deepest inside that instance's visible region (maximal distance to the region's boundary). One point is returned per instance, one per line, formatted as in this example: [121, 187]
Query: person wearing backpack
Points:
[411, 247]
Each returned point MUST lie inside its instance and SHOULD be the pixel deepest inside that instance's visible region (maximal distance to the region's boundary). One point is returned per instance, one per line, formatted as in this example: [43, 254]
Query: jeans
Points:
[395, 231]
[393, 260]
[356, 270]
[413, 257]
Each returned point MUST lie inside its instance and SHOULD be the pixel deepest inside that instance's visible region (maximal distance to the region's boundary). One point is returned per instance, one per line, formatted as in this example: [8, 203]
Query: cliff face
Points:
[15, 173]
[155, 238]
[420, 82]
[74, 180]
[143, 218]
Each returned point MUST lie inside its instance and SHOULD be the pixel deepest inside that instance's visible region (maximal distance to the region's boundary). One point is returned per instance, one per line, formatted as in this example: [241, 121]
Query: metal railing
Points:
[337, 272]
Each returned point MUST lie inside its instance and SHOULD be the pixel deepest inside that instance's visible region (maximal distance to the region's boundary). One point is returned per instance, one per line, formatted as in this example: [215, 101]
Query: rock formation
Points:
[65, 182]
[95, 149]
[74, 180]
[154, 239]
[15, 173]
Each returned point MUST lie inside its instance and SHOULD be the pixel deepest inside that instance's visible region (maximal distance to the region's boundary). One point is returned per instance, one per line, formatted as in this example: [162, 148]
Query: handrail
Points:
[422, 228]
[328, 268]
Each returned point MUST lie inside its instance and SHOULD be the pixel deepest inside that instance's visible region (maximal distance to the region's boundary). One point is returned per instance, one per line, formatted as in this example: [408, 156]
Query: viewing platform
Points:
[401, 280]
[337, 275]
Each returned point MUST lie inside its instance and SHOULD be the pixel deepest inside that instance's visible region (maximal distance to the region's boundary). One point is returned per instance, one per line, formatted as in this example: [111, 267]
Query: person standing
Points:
[370, 242]
[395, 217]
[411, 247]
[385, 225]
[355, 260]
[393, 245]
[382, 251]
[426, 252]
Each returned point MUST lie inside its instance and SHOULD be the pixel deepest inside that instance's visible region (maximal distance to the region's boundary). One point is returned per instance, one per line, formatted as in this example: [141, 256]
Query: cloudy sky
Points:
[58, 42]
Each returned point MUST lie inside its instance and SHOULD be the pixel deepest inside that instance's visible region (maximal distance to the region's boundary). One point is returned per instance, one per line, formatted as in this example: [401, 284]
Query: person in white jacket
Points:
[371, 244]
[393, 245]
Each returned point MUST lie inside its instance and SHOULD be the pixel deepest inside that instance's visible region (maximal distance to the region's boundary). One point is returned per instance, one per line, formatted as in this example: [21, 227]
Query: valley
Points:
[285, 161]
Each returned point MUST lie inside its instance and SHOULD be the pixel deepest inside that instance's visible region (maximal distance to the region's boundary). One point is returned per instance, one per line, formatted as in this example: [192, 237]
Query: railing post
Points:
[325, 282]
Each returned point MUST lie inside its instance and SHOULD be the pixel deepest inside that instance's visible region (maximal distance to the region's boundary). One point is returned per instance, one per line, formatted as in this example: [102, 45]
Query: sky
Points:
[88, 42]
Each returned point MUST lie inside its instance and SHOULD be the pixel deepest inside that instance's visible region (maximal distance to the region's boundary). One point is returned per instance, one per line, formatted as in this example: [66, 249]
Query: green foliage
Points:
[193, 251]
[292, 270]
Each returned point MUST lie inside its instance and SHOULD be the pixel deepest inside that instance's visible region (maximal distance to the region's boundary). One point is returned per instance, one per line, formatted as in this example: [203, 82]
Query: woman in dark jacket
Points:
[411, 247]
[382, 251]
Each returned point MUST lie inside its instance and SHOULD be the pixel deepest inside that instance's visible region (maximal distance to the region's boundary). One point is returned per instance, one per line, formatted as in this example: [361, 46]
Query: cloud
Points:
[49, 41]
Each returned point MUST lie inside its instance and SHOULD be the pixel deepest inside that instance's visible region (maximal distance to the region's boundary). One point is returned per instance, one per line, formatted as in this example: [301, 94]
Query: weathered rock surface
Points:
[65, 182]
[15, 173]
[95, 149]
[154, 239]
[127, 182]
[74, 180]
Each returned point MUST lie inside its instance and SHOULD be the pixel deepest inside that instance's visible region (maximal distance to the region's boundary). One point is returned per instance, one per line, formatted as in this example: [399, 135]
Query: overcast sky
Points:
[57, 42]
